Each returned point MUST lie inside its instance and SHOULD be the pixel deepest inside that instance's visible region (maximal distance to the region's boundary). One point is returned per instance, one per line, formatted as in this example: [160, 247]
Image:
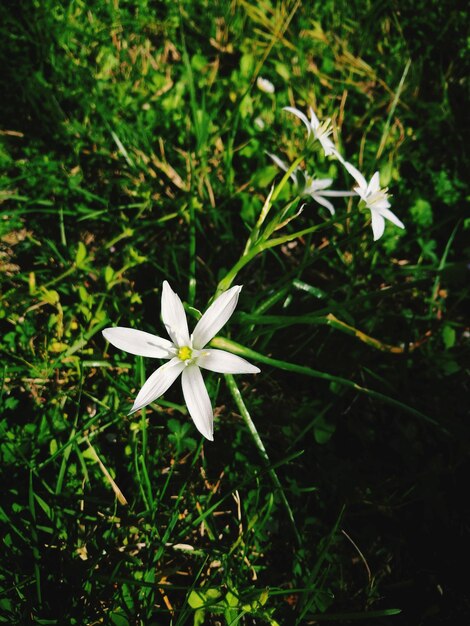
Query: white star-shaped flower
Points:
[375, 199]
[316, 188]
[320, 131]
[185, 354]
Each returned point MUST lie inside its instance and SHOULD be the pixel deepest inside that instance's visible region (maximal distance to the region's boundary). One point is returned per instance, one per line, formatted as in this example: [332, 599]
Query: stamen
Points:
[185, 353]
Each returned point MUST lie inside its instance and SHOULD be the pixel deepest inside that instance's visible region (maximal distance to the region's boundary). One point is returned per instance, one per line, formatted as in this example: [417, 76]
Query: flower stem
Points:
[237, 396]
[228, 279]
[192, 254]
[231, 346]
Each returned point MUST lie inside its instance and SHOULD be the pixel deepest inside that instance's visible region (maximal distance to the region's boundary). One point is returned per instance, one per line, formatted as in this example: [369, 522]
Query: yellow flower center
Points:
[185, 353]
[324, 129]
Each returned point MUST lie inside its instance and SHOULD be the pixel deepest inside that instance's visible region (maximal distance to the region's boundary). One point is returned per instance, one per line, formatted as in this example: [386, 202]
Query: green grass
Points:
[133, 150]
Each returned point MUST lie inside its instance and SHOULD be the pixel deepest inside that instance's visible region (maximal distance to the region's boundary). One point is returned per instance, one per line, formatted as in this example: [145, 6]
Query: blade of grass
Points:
[232, 346]
[237, 396]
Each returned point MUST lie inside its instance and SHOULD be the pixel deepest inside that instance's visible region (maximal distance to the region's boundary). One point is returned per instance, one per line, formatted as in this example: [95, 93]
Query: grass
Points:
[133, 151]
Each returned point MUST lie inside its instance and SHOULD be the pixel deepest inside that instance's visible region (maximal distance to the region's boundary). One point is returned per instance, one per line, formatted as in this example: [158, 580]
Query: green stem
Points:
[286, 177]
[192, 254]
[67, 272]
[237, 396]
[228, 279]
[231, 346]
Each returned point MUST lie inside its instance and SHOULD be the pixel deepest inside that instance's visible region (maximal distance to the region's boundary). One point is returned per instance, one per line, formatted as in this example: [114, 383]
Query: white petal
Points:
[328, 146]
[314, 121]
[338, 194]
[156, 385]
[392, 217]
[301, 116]
[174, 317]
[356, 174]
[335, 153]
[378, 225]
[374, 184]
[279, 162]
[138, 342]
[215, 317]
[378, 205]
[224, 362]
[319, 183]
[326, 203]
[265, 85]
[198, 401]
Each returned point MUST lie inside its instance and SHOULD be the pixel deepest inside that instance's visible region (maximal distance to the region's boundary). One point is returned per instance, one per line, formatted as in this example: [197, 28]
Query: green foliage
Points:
[133, 150]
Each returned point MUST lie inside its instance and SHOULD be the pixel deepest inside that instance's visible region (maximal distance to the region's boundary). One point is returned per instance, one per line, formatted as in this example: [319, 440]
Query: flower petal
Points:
[138, 342]
[378, 225]
[279, 162]
[356, 174]
[314, 121]
[392, 217]
[317, 184]
[378, 205]
[215, 317]
[328, 146]
[301, 116]
[335, 153]
[174, 317]
[326, 203]
[156, 385]
[224, 362]
[338, 194]
[374, 184]
[198, 401]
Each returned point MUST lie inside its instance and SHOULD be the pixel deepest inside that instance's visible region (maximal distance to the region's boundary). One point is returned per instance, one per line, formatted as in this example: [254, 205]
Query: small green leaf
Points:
[231, 599]
[108, 274]
[323, 430]
[196, 599]
[81, 254]
[448, 336]
[118, 619]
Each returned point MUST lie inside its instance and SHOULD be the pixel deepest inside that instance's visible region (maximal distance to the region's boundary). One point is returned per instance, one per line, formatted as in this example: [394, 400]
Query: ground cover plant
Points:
[233, 279]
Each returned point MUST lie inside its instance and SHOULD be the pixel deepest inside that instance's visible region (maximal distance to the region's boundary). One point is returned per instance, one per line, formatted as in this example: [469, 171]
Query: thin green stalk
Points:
[35, 540]
[231, 346]
[237, 396]
[383, 140]
[286, 177]
[228, 279]
[143, 419]
[442, 264]
[192, 254]
[254, 237]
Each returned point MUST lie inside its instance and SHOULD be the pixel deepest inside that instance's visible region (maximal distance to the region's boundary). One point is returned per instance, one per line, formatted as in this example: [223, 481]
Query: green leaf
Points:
[323, 430]
[196, 599]
[448, 336]
[118, 619]
[81, 254]
[108, 274]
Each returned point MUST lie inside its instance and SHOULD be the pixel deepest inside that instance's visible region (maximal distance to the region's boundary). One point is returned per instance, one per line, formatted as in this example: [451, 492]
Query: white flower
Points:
[316, 188]
[265, 85]
[375, 200]
[185, 354]
[259, 123]
[320, 131]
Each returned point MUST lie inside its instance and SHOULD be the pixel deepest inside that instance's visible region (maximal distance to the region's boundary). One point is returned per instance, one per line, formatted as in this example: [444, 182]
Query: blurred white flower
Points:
[185, 354]
[259, 123]
[265, 85]
[316, 188]
[375, 199]
[320, 131]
